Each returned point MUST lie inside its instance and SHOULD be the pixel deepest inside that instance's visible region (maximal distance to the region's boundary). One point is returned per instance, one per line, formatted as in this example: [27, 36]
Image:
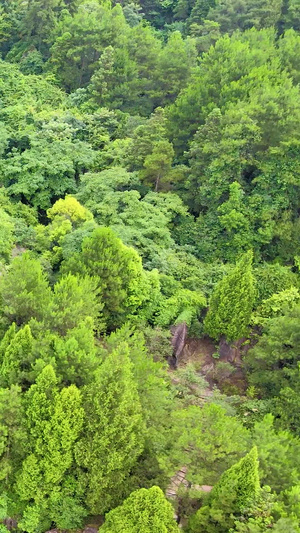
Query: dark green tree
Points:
[241, 14]
[157, 165]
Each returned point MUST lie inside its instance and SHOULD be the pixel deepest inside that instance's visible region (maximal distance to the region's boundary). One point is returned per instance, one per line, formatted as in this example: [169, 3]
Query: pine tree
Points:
[99, 86]
[75, 354]
[157, 403]
[145, 511]
[113, 437]
[206, 440]
[232, 302]
[175, 63]
[157, 165]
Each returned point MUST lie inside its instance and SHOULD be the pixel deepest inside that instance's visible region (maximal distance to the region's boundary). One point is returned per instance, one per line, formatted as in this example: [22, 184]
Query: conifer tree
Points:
[241, 480]
[74, 300]
[157, 403]
[157, 165]
[25, 292]
[118, 272]
[145, 511]
[17, 356]
[53, 421]
[207, 441]
[233, 495]
[12, 436]
[113, 438]
[232, 302]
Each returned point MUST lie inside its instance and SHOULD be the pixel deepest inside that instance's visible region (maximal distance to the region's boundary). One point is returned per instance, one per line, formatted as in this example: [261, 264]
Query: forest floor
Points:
[200, 352]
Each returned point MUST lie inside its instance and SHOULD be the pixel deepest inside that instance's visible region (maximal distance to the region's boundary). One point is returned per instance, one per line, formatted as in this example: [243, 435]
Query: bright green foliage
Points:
[278, 304]
[95, 186]
[67, 216]
[236, 490]
[75, 354]
[288, 49]
[183, 306]
[145, 511]
[70, 209]
[145, 223]
[241, 479]
[234, 222]
[232, 302]
[25, 293]
[53, 421]
[6, 236]
[17, 357]
[114, 432]
[46, 164]
[291, 502]
[144, 149]
[157, 402]
[206, 454]
[74, 300]
[259, 517]
[12, 435]
[117, 270]
[273, 362]
[278, 454]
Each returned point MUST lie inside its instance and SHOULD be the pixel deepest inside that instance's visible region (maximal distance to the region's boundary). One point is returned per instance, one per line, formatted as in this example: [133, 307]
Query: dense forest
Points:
[150, 266]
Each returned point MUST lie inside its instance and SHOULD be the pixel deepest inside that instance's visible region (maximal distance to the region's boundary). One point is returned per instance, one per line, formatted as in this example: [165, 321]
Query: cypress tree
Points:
[53, 422]
[113, 437]
[117, 270]
[25, 292]
[233, 496]
[145, 511]
[240, 483]
[17, 357]
[232, 302]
